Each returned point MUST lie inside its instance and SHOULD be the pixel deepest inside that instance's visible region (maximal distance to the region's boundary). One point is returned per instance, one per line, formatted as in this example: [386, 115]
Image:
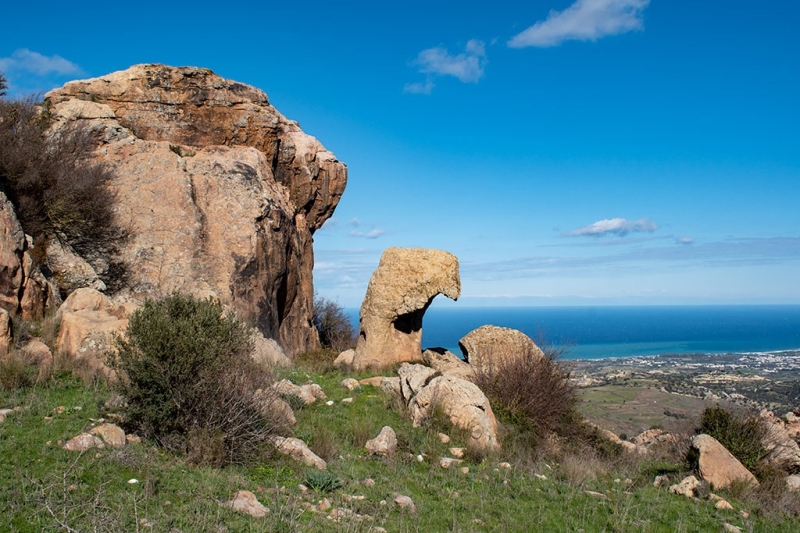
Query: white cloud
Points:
[585, 20]
[24, 60]
[374, 233]
[684, 240]
[615, 226]
[467, 66]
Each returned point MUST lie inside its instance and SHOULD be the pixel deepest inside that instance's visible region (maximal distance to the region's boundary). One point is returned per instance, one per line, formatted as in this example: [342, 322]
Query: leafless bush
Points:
[532, 392]
[333, 325]
[58, 190]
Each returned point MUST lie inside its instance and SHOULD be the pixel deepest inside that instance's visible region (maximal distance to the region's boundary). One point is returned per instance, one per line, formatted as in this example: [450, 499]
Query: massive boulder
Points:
[399, 292]
[488, 345]
[220, 194]
[717, 465]
[465, 406]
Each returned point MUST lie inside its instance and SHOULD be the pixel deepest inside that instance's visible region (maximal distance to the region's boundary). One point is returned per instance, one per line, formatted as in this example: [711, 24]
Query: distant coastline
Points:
[628, 331]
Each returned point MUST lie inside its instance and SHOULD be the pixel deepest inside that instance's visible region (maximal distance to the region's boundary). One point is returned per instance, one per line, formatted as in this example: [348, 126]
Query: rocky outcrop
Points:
[219, 192]
[488, 345]
[399, 292]
[447, 362]
[413, 379]
[464, 404]
[782, 450]
[23, 289]
[717, 465]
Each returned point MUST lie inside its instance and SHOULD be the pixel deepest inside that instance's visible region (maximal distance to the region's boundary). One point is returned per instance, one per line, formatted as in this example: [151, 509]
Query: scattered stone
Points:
[399, 292]
[540, 476]
[83, 442]
[420, 458]
[133, 439]
[793, 482]
[374, 381]
[246, 502]
[445, 439]
[299, 451]
[504, 465]
[4, 413]
[447, 462]
[347, 400]
[404, 502]
[723, 504]
[272, 405]
[339, 514]
[744, 514]
[324, 505]
[598, 495]
[458, 453]
[303, 489]
[369, 482]
[487, 346]
[729, 528]
[385, 444]
[350, 384]
[660, 480]
[465, 470]
[286, 387]
[717, 465]
[111, 435]
[686, 487]
[329, 403]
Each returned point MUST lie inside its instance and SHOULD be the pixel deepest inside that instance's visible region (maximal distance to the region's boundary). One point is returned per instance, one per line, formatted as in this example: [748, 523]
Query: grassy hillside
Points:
[44, 487]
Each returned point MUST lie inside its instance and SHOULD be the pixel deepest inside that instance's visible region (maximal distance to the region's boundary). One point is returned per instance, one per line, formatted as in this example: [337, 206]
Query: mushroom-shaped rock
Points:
[399, 292]
[384, 444]
[299, 451]
[464, 404]
[488, 345]
[717, 465]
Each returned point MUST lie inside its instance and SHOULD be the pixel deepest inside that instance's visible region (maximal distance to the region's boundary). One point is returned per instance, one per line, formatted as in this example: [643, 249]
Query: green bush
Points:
[741, 434]
[322, 481]
[333, 325]
[190, 383]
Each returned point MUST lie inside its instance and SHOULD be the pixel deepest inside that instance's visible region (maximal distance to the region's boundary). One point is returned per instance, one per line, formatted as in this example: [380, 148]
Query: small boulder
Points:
[447, 462]
[299, 451]
[4, 413]
[793, 482]
[288, 388]
[6, 340]
[385, 444]
[83, 442]
[268, 352]
[38, 354]
[350, 384]
[406, 503]
[111, 434]
[717, 465]
[686, 487]
[246, 502]
[345, 359]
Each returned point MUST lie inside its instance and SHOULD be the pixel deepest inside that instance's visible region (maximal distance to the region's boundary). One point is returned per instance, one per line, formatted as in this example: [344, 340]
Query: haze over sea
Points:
[600, 332]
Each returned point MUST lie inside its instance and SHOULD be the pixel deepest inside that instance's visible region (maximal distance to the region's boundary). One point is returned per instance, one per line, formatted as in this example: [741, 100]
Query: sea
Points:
[626, 331]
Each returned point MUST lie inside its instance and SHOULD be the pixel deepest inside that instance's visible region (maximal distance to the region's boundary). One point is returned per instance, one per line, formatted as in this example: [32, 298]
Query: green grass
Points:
[41, 484]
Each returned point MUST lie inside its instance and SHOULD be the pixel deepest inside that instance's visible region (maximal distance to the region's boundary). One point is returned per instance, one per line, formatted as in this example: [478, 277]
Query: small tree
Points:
[333, 325]
[186, 371]
[3, 85]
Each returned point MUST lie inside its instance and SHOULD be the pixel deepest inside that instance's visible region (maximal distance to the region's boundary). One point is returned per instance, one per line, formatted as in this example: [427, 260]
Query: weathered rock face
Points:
[399, 292]
[717, 465]
[464, 404]
[487, 345]
[23, 289]
[219, 192]
[446, 362]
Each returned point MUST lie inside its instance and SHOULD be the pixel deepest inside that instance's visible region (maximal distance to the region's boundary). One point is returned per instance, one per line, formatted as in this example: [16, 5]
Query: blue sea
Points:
[600, 332]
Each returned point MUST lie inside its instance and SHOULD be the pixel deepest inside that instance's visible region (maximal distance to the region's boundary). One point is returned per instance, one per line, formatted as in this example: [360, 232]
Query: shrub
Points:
[56, 188]
[186, 371]
[3, 85]
[322, 481]
[740, 433]
[333, 325]
[531, 392]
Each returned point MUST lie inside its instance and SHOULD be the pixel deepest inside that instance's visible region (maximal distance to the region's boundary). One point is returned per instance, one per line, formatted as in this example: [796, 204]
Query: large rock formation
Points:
[399, 292]
[717, 465]
[219, 192]
[488, 345]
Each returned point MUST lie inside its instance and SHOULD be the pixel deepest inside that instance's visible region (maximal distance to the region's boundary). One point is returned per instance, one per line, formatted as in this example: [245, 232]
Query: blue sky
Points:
[589, 152]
